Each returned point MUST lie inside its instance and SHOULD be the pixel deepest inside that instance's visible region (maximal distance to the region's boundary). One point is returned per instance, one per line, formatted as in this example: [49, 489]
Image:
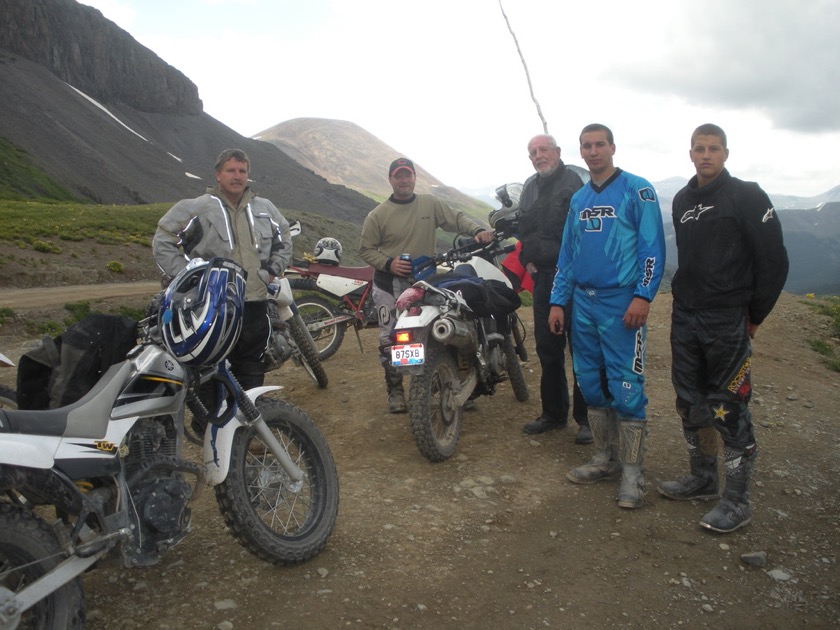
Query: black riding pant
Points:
[554, 385]
[246, 358]
[711, 355]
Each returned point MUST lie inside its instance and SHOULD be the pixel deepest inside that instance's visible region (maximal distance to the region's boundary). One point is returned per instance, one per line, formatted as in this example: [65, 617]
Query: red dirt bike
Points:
[350, 303]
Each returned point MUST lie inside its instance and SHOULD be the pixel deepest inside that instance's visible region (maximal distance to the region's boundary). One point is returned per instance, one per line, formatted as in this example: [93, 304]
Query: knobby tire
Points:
[309, 353]
[264, 514]
[514, 370]
[25, 538]
[435, 421]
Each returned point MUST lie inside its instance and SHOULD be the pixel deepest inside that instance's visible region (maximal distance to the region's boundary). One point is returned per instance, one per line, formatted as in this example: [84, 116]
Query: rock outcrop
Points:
[83, 48]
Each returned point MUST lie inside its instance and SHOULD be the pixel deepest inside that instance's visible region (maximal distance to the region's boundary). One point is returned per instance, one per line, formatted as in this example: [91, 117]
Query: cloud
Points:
[778, 57]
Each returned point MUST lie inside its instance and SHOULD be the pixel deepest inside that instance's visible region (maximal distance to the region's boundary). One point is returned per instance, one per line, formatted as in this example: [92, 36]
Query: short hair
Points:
[552, 143]
[231, 154]
[597, 127]
[708, 129]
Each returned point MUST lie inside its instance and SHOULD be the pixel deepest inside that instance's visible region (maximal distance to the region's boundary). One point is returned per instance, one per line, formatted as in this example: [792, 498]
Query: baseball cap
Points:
[401, 163]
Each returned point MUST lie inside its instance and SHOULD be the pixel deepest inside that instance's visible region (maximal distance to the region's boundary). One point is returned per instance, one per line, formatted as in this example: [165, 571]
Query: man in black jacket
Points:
[544, 206]
[732, 266]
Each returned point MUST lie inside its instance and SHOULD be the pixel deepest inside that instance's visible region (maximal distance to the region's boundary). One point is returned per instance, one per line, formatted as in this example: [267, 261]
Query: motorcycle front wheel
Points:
[315, 310]
[514, 370]
[8, 398]
[436, 419]
[28, 550]
[266, 514]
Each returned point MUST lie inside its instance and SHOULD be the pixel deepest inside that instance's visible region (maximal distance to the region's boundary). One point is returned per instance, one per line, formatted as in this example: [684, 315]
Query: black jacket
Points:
[730, 247]
[544, 204]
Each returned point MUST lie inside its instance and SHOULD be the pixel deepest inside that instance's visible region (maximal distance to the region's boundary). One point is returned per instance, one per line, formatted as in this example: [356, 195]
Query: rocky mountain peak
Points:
[83, 48]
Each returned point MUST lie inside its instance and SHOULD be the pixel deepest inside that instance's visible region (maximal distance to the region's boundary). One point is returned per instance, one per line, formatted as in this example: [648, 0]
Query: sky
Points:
[442, 82]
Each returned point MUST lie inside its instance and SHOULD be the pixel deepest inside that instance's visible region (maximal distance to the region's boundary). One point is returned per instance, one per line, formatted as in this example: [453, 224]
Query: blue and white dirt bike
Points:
[107, 474]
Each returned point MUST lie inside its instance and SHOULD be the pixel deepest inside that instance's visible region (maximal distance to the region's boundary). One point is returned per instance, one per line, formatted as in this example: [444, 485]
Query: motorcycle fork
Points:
[254, 418]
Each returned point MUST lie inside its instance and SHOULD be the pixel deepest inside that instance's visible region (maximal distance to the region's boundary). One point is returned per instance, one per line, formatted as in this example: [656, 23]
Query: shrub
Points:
[45, 246]
[115, 266]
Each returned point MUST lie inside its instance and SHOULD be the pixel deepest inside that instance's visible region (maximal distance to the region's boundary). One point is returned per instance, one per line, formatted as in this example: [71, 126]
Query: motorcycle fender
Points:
[219, 440]
[424, 319]
[28, 451]
[336, 285]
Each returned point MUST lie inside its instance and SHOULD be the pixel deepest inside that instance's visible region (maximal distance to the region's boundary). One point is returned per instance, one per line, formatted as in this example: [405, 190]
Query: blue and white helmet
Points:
[201, 313]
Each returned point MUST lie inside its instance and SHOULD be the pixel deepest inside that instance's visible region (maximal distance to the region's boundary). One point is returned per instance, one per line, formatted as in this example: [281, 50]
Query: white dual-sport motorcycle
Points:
[458, 336]
[108, 475]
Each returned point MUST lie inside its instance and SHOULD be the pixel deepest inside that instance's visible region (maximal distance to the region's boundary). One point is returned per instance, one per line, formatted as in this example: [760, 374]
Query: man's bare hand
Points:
[400, 267]
[637, 313]
[484, 237]
[557, 320]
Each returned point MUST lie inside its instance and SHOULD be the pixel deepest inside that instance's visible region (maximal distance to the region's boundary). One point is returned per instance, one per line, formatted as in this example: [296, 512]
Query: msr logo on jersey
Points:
[594, 217]
[694, 213]
[769, 215]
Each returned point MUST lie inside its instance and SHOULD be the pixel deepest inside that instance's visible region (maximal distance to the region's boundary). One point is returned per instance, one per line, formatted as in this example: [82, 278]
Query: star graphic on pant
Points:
[720, 412]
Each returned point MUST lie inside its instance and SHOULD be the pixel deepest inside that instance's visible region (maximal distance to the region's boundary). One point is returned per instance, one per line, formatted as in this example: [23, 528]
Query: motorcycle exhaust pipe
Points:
[454, 332]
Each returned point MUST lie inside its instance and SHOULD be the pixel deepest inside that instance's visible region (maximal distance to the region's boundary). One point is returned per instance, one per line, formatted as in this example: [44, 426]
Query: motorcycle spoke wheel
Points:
[436, 420]
[315, 310]
[24, 538]
[514, 371]
[8, 398]
[309, 359]
[267, 513]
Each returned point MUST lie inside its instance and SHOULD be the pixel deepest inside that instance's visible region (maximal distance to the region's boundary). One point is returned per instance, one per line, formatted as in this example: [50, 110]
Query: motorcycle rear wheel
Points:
[24, 538]
[435, 419]
[315, 310]
[8, 398]
[309, 357]
[514, 371]
[263, 512]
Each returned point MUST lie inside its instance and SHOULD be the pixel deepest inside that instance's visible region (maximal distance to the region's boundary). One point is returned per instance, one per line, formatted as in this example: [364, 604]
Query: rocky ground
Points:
[496, 537]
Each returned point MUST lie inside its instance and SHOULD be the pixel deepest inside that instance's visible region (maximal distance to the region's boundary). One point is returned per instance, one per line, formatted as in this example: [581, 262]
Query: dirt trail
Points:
[496, 537]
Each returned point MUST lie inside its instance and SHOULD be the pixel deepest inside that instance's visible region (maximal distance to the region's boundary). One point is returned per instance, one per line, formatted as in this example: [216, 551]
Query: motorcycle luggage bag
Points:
[59, 371]
[484, 297]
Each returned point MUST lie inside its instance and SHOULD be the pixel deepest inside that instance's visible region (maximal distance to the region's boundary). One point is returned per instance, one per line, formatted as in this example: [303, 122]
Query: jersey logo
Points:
[694, 213]
[650, 266]
[594, 217]
[647, 194]
[769, 215]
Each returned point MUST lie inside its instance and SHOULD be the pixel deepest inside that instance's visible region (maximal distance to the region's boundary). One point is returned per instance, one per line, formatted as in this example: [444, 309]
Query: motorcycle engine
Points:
[277, 351]
[159, 494]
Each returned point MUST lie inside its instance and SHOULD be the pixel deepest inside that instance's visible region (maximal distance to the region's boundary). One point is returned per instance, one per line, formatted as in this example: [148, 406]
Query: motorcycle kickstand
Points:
[359, 339]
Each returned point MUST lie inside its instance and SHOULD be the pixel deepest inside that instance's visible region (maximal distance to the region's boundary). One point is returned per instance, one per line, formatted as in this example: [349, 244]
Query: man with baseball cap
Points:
[404, 224]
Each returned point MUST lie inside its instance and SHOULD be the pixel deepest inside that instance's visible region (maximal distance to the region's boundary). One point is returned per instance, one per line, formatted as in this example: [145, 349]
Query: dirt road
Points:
[495, 537]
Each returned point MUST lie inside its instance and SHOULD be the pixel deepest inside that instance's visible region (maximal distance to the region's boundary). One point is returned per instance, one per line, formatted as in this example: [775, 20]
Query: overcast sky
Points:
[441, 80]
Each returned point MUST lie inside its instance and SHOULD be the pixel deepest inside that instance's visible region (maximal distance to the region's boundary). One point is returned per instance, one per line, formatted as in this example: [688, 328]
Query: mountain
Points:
[343, 153]
[111, 122]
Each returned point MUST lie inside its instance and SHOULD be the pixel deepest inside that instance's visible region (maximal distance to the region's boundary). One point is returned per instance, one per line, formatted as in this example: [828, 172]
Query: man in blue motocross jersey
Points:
[611, 262]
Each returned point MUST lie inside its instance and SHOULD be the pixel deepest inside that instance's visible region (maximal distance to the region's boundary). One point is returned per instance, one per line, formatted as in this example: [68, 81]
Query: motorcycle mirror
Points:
[294, 227]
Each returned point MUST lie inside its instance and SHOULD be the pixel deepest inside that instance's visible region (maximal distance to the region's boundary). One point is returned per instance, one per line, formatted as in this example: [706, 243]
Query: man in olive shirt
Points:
[404, 224]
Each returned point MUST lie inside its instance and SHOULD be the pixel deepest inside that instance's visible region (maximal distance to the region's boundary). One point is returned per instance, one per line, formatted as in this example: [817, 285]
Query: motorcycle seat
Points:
[354, 273]
[34, 422]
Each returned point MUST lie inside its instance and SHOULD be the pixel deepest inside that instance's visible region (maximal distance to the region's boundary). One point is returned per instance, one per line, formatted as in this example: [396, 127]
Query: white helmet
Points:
[508, 195]
[328, 251]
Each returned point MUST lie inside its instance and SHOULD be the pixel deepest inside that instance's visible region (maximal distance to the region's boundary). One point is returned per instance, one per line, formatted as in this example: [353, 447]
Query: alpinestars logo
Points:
[694, 213]
[769, 215]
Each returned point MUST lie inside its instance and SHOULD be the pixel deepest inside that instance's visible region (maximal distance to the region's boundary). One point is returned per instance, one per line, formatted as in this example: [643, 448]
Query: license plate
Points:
[409, 354]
